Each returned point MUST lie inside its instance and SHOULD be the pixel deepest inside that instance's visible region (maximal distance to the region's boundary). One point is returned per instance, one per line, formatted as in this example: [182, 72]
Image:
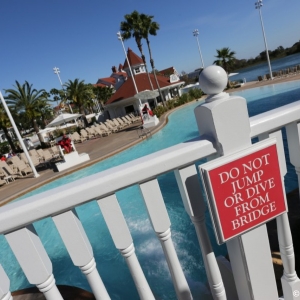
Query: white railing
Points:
[16, 218]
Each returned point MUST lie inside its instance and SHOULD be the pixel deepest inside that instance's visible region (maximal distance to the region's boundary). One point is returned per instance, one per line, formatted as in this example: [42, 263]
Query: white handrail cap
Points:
[213, 80]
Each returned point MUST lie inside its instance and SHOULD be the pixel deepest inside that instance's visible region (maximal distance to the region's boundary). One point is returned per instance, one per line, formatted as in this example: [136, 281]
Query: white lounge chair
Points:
[77, 138]
[9, 171]
[86, 134]
[19, 165]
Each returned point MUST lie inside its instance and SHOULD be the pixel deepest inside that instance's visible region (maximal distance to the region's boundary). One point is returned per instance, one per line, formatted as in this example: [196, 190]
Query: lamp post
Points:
[57, 71]
[121, 39]
[35, 174]
[196, 33]
[258, 6]
[134, 83]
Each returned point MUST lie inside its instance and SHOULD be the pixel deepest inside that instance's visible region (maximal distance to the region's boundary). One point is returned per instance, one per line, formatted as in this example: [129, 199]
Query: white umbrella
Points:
[63, 119]
[232, 74]
[146, 94]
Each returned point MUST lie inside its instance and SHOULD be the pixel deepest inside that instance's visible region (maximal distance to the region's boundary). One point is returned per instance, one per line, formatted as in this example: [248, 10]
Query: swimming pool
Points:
[181, 127]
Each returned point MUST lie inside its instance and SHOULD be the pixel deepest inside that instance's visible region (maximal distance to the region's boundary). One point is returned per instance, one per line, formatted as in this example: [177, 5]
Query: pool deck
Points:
[102, 148]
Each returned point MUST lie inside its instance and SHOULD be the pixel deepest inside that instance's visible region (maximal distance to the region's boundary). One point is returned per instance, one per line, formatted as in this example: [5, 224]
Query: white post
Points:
[121, 236]
[57, 71]
[191, 194]
[4, 286]
[35, 174]
[161, 224]
[33, 259]
[258, 6]
[196, 33]
[293, 139]
[80, 250]
[225, 120]
[120, 38]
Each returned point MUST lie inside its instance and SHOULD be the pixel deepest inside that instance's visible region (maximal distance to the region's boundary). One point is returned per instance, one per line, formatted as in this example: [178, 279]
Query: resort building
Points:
[123, 101]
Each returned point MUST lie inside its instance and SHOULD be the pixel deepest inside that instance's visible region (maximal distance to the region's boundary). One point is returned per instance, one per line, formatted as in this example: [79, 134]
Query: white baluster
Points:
[33, 259]
[161, 224]
[123, 241]
[80, 250]
[4, 286]
[191, 194]
[290, 281]
[293, 139]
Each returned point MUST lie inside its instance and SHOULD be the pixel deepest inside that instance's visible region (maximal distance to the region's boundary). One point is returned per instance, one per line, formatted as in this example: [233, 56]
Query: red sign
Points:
[244, 190]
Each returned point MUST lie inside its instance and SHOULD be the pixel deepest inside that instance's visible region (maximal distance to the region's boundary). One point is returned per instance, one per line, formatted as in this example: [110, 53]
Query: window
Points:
[129, 109]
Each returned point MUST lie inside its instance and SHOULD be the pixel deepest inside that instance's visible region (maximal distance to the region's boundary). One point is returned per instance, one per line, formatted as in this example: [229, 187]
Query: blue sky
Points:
[79, 36]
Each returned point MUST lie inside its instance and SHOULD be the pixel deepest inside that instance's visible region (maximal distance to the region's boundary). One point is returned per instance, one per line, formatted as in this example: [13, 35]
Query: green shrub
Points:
[195, 93]
[58, 132]
[4, 147]
[159, 110]
[178, 101]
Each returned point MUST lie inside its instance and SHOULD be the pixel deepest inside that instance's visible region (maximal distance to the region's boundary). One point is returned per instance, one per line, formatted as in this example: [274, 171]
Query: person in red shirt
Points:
[147, 110]
[3, 158]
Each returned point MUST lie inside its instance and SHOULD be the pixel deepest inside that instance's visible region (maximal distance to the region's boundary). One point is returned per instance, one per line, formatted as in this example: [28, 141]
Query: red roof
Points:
[100, 85]
[133, 59]
[107, 79]
[167, 72]
[127, 89]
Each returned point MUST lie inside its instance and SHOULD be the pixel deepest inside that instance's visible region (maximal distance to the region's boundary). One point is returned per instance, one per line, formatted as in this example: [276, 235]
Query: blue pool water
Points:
[115, 275]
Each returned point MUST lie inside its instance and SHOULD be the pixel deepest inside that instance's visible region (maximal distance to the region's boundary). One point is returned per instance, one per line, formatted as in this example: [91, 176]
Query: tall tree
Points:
[102, 94]
[79, 93]
[225, 59]
[134, 27]
[151, 27]
[26, 100]
[58, 96]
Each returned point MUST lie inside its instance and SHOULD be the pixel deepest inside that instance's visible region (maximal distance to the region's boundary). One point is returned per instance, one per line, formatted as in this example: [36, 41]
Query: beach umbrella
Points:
[146, 94]
[63, 119]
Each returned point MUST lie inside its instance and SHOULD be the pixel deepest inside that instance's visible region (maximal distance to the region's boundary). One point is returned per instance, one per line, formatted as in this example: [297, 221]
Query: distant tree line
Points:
[279, 52]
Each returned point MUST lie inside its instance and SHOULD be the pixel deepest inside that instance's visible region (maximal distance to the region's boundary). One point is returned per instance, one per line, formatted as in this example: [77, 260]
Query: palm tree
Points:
[134, 27]
[79, 93]
[46, 112]
[225, 59]
[4, 124]
[151, 27]
[26, 100]
[58, 95]
[102, 94]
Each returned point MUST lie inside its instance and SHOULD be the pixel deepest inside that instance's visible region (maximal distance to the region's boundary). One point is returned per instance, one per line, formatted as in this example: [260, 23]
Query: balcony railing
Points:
[16, 218]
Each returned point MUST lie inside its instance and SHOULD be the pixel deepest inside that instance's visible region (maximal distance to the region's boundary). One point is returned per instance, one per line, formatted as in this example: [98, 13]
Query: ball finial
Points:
[213, 80]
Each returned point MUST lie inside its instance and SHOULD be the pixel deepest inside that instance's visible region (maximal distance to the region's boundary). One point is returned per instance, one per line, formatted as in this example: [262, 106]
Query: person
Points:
[146, 110]
[65, 143]
[51, 137]
[28, 143]
[10, 154]
[3, 158]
